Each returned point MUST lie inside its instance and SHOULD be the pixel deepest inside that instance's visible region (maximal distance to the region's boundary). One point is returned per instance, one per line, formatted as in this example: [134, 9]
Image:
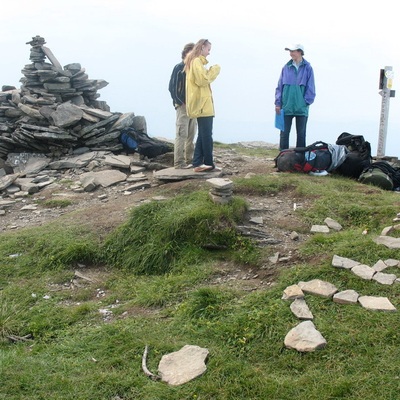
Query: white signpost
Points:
[385, 86]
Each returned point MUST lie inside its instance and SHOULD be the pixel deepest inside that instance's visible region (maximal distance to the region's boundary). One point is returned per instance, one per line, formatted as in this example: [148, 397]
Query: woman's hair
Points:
[188, 47]
[195, 52]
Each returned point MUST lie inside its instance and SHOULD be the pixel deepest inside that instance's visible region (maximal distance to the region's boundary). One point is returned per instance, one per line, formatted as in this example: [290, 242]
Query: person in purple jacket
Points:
[294, 94]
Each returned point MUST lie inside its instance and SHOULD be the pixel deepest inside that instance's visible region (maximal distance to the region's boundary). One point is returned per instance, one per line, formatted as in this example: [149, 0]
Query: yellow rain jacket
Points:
[199, 101]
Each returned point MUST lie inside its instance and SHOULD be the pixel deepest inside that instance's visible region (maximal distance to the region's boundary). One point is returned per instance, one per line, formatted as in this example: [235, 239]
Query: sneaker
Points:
[216, 169]
[188, 166]
[202, 168]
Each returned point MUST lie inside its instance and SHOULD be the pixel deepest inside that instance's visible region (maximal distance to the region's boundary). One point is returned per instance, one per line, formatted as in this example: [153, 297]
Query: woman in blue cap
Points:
[294, 95]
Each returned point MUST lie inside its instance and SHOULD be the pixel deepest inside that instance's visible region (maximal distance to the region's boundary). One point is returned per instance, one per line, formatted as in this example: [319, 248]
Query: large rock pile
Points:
[56, 110]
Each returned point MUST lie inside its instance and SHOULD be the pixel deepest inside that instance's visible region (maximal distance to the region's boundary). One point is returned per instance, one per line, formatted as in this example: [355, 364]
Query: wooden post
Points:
[385, 86]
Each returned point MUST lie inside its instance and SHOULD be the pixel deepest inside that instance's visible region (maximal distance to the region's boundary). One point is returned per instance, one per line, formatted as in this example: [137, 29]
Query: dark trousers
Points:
[301, 125]
[203, 151]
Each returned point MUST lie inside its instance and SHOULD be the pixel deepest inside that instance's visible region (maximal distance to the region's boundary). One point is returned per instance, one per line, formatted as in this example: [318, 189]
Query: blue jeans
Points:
[301, 125]
[203, 150]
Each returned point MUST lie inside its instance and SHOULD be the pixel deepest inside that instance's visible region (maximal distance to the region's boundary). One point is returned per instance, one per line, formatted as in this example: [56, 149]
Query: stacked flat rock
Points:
[57, 110]
[221, 191]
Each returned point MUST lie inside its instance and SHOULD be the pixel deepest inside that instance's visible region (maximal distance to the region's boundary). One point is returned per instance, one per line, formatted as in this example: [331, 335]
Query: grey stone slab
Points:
[388, 241]
[363, 271]
[379, 266]
[376, 303]
[7, 180]
[305, 338]
[346, 297]
[124, 121]
[292, 292]
[106, 178]
[301, 310]
[119, 161]
[319, 229]
[66, 114]
[221, 183]
[332, 224]
[78, 161]
[384, 279]
[184, 365]
[391, 262]
[138, 186]
[49, 54]
[318, 287]
[174, 174]
[343, 262]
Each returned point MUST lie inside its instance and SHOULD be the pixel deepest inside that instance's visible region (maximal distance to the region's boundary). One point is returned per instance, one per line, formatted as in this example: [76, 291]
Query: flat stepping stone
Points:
[376, 303]
[388, 241]
[332, 224]
[300, 309]
[318, 287]
[319, 229]
[379, 266]
[292, 292]
[343, 262]
[346, 297]
[363, 271]
[390, 262]
[184, 365]
[305, 338]
[384, 279]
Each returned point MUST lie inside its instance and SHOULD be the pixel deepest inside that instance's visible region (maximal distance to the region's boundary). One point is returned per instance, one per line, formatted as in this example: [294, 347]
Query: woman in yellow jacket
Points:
[199, 103]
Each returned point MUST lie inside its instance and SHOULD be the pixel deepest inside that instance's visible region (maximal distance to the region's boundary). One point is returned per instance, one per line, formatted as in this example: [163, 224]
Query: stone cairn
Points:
[221, 191]
[56, 110]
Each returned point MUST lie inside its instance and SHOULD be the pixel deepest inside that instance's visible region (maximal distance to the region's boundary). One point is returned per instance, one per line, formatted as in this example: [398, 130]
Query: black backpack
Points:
[315, 157]
[145, 145]
[358, 157]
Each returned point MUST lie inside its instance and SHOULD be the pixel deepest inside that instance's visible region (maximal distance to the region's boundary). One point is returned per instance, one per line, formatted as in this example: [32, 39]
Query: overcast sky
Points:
[134, 44]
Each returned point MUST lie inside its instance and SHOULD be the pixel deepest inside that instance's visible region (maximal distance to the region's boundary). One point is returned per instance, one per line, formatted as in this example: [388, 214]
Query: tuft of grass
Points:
[56, 203]
[264, 184]
[160, 236]
[47, 247]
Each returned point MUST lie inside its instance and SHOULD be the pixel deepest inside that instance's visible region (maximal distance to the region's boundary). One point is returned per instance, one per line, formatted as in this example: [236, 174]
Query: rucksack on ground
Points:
[381, 174]
[145, 145]
[358, 156]
[315, 157]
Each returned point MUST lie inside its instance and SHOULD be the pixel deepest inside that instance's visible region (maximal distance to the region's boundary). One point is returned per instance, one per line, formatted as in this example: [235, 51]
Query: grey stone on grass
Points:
[319, 229]
[388, 241]
[376, 303]
[332, 224]
[384, 279]
[343, 262]
[318, 287]
[292, 292]
[301, 310]
[305, 338]
[184, 365]
[363, 271]
[346, 297]
[379, 266]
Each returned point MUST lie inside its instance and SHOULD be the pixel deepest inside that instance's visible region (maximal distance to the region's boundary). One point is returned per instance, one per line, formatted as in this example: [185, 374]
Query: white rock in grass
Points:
[343, 262]
[363, 271]
[376, 303]
[184, 365]
[346, 297]
[305, 338]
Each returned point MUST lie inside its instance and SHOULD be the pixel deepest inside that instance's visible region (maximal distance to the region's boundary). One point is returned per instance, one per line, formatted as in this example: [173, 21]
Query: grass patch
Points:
[56, 203]
[161, 236]
[158, 289]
